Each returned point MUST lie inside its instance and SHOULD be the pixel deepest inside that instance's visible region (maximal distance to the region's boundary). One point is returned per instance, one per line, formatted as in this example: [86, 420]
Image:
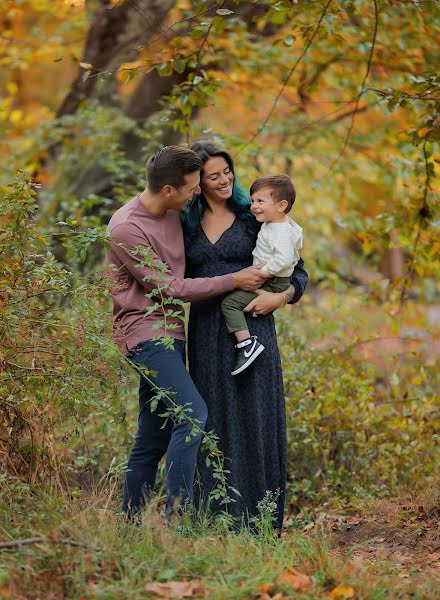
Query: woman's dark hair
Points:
[169, 166]
[238, 203]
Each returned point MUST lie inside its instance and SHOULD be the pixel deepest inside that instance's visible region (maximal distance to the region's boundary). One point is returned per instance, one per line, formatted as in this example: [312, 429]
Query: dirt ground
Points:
[404, 536]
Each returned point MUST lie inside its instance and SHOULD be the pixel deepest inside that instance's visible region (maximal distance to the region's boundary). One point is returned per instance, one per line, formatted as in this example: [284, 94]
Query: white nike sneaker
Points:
[245, 354]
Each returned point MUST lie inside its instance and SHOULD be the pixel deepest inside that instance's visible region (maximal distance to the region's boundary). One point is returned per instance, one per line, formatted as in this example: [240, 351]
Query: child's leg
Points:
[247, 348]
[232, 309]
[240, 336]
[276, 284]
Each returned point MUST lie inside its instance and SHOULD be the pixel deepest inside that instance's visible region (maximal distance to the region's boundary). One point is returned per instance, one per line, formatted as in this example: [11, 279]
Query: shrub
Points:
[59, 365]
[347, 433]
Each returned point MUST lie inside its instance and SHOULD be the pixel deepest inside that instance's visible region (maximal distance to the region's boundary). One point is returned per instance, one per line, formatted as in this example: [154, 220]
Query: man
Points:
[151, 222]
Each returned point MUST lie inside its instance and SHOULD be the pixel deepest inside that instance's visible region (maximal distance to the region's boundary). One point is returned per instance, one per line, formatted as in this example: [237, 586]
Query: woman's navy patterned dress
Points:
[247, 411]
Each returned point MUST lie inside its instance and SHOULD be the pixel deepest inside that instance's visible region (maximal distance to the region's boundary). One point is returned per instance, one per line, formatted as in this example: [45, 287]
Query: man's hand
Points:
[251, 278]
[266, 302]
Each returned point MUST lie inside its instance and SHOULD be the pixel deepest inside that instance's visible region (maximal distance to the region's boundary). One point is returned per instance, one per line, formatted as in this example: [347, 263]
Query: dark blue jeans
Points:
[156, 436]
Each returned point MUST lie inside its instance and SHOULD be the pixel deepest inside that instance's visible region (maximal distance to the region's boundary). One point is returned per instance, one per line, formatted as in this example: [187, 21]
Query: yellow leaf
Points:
[12, 87]
[342, 592]
[16, 116]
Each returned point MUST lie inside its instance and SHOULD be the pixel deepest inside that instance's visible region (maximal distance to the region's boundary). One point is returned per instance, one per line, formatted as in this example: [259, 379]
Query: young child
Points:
[278, 244]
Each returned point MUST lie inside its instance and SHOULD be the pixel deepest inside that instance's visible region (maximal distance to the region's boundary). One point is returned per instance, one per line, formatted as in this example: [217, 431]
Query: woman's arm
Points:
[267, 302]
[298, 279]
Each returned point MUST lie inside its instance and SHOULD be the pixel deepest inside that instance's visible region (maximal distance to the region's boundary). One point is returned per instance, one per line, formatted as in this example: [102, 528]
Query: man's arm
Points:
[151, 272]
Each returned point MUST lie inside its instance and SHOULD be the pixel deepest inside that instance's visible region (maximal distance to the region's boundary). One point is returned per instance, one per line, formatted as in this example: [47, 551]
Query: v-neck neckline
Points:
[227, 229]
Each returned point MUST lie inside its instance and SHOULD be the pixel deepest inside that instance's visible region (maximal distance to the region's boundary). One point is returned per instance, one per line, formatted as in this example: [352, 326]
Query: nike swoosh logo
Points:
[248, 353]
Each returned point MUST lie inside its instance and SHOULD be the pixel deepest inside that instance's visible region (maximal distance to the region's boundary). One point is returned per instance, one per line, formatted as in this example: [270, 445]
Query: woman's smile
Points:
[226, 189]
[217, 179]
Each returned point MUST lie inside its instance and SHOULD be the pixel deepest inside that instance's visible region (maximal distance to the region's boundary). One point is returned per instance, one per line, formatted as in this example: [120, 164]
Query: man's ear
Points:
[167, 191]
[282, 205]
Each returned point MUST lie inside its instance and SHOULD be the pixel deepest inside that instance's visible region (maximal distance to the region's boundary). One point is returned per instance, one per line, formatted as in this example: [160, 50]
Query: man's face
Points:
[178, 198]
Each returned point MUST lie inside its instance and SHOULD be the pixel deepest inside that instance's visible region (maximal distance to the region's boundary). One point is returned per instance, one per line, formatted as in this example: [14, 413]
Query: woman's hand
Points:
[266, 302]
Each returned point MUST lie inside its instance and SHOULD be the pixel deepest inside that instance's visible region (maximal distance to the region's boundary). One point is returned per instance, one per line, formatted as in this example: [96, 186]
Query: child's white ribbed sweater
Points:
[278, 244]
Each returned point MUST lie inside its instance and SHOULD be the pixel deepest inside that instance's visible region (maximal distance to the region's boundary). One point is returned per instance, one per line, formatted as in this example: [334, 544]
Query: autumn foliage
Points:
[344, 97]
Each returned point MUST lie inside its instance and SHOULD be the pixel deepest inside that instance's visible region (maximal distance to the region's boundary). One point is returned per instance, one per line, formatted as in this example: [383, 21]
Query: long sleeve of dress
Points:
[299, 279]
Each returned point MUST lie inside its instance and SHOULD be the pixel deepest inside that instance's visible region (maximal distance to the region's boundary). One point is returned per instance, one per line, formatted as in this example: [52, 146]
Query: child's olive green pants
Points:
[233, 303]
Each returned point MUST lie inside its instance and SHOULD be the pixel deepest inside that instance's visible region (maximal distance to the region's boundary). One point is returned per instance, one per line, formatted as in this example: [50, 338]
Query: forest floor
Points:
[77, 548]
[402, 536]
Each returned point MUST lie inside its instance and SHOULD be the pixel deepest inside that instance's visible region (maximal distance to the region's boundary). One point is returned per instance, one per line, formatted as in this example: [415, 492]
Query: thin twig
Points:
[42, 540]
[423, 96]
[363, 89]
[286, 80]
[421, 217]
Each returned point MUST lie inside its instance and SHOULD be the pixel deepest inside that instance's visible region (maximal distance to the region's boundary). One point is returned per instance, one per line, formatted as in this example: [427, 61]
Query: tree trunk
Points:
[113, 38]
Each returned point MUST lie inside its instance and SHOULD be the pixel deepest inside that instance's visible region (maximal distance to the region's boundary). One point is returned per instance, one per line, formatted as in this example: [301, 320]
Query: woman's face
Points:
[217, 179]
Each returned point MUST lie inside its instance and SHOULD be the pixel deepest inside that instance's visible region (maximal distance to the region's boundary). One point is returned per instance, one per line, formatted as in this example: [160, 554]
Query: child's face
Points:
[265, 208]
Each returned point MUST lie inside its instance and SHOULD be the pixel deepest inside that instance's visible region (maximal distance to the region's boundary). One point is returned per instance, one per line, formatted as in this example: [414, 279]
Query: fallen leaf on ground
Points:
[309, 526]
[295, 579]
[433, 557]
[175, 589]
[401, 558]
[263, 591]
[342, 592]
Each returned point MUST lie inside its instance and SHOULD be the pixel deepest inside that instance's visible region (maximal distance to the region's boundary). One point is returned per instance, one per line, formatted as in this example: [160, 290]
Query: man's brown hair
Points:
[281, 188]
[169, 166]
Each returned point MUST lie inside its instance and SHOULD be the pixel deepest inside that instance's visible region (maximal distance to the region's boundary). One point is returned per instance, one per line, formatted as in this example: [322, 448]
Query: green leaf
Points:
[392, 103]
[130, 74]
[165, 69]
[197, 34]
[179, 65]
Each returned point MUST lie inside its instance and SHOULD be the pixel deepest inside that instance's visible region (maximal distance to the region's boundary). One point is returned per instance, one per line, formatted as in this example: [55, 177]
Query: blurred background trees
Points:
[344, 96]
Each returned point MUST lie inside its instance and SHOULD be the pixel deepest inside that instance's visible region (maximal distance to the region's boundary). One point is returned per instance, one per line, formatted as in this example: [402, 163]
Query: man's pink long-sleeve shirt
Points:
[130, 227]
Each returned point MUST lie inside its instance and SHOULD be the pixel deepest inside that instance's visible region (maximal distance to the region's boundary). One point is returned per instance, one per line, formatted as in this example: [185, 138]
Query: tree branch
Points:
[361, 93]
[286, 80]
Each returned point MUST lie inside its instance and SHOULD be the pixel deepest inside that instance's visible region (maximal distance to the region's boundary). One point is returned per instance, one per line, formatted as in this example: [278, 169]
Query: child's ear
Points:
[282, 205]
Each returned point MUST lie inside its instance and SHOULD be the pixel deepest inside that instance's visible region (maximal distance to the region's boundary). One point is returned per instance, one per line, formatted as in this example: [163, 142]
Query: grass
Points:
[113, 560]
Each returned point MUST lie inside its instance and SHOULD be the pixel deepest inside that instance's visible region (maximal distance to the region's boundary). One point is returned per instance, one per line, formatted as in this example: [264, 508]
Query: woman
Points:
[247, 412]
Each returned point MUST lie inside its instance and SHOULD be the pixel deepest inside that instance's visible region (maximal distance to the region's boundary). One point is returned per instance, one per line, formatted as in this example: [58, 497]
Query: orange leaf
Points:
[175, 589]
[342, 592]
[5, 590]
[422, 132]
[295, 579]
[265, 588]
